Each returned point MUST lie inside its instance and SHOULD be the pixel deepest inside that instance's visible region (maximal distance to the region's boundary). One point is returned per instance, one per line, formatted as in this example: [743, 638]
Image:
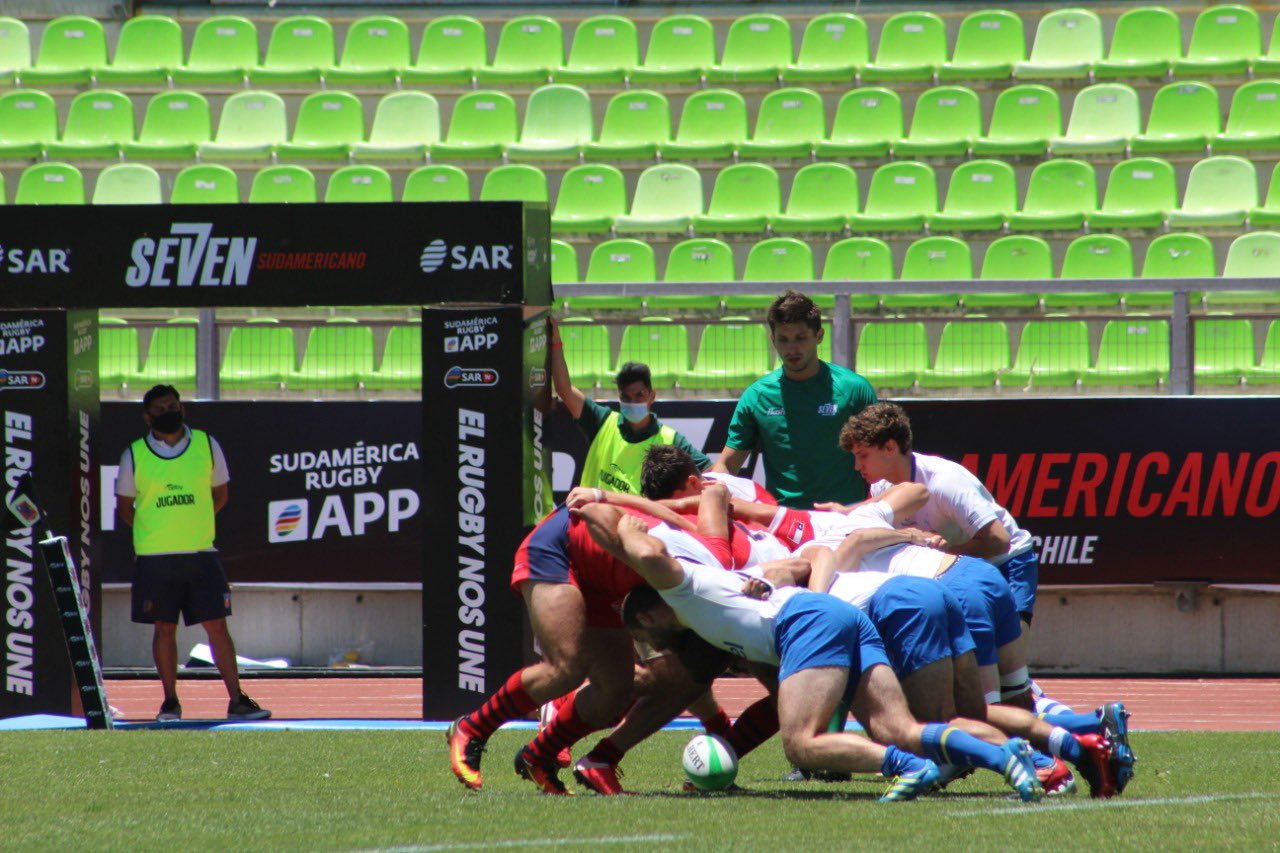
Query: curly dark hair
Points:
[665, 469]
[875, 425]
[794, 307]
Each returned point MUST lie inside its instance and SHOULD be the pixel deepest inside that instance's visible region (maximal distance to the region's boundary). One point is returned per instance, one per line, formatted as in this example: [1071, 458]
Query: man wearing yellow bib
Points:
[171, 483]
[618, 441]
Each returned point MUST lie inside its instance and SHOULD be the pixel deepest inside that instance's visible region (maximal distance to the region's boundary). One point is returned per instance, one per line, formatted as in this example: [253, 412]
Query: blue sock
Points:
[1040, 760]
[1066, 747]
[948, 745]
[898, 762]
[1077, 724]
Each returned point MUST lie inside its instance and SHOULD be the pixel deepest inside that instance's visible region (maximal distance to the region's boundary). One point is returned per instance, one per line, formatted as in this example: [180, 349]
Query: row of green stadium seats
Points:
[970, 354]
[758, 48]
[261, 357]
[1027, 120]
[1016, 257]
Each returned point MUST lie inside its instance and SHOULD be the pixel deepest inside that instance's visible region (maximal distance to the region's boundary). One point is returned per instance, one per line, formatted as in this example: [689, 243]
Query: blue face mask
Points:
[635, 412]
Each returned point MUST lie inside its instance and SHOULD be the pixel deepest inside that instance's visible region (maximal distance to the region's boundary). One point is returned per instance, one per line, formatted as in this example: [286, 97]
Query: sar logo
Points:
[433, 255]
[470, 377]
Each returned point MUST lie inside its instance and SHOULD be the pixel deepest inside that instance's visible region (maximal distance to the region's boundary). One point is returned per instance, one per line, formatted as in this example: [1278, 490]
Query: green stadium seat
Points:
[989, 45]
[1104, 118]
[1052, 353]
[892, 355]
[71, 49]
[756, 50]
[117, 355]
[605, 50]
[1145, 43]
[127, 183]
[587, 351]
[1269, 63]
[1223, 351]
[451, 51]
[1173, 256]
[659, 343]
[981, 196]
[666, 199]
[15, 50]
[205, 183]
[515, 182]
[28, 119]
[745, 197]
[635, 124]
[1225, 40]
[530, 48]
[1268, 215]
[1255, 255]
[590, 198]
[148, 49]
[1132, 353]
[405, 126]
[1267, 371]
[328, 127]
[681, 49]
[695, 261]
[1061, 193]
[283, 185]
[932, 259]
[712, 126]
[259, 357]
[482, 126]
[1091, 257]
[557, 124]
[614, 262]
[171, 356]
[912, 47]
[902, 194]
[868, 123]
[374, 52]
[564, 263]
[176, 124]
[780, 259]
[823, 196]
[437, 183]
[50, 183]
[971, 354]
[252, 124]
[401, 365]
[99, 125]
[833, 50]
[1140, 193]
[1221, 192]
[1016, 257]
[1068, 43]
[223, 51]
[1254, 121]
[857, 259]
[730, 355]
[946, 121]
[359, 184]
[1184, 117]
[1025, 118]
[300, 51]
[790, 123]
[338, 355]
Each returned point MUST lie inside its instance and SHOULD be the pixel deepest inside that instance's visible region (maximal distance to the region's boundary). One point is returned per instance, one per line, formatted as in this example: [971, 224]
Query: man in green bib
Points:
[618, 441]
[171, 483]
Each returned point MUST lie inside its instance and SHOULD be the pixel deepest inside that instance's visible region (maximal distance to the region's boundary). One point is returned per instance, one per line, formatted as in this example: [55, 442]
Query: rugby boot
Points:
[599, 777]
[908, 786]
[948, 773]
[545, 776]
[1095, 766]
[1056, 779]
[1020, 772]
[170, 710]
[464, 755]
[1115, 728]
[244, 708]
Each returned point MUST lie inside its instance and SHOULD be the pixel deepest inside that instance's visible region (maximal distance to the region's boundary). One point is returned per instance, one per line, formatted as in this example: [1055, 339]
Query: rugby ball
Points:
[709, 763]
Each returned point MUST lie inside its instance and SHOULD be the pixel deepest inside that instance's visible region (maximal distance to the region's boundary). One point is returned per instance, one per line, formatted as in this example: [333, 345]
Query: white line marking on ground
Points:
[529, 842]
[1051, 808]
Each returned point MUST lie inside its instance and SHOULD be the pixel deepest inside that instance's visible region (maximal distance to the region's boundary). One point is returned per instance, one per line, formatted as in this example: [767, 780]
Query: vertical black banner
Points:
[475, 386]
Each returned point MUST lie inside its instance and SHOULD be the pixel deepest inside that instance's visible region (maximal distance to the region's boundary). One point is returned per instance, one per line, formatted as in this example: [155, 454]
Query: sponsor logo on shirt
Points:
[827, 409]
[775, 412]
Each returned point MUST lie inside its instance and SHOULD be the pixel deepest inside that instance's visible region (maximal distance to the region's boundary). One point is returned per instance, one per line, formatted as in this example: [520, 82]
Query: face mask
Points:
[167, 423]
[635, 412]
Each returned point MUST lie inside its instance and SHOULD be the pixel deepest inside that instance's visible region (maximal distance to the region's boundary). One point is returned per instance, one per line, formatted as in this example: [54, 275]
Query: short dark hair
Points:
[665, 469]
[634, 371]
[642, 599]
[875, 425]
[157, 392]
[794, 307]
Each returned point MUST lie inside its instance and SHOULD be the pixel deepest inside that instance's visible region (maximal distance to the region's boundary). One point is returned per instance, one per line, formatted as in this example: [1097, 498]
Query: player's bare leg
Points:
[164, 651]
[970, 700]
[930, 691]
[224, 654]
[806, 701]
[1014, 680]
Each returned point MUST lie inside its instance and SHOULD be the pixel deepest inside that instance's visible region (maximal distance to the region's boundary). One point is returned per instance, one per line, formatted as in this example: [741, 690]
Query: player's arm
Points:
[857, 545]
[220, 496]
[580, 497]
[761, 514]
[626, 537]
[124, 508]
[731, 460]
[991, 541]
[713, 512]
[569, 393]
[905, 499]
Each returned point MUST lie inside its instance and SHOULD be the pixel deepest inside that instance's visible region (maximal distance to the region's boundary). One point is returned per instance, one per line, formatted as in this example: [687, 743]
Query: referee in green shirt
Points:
[794, 414]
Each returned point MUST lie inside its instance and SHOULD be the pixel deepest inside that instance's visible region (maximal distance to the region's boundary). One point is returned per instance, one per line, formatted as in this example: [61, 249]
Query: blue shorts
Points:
[989, 608]
[1023, 574]
[814, 630]
[919, 622]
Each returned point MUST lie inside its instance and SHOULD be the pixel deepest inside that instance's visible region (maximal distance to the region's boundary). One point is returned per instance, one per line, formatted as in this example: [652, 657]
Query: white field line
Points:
[529, 842]
[1021, 809]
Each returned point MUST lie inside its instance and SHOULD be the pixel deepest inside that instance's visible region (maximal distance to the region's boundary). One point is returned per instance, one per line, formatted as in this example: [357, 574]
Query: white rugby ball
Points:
[709, 763]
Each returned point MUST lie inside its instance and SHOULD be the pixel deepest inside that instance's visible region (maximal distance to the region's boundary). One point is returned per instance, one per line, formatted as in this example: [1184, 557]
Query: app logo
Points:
[21, 380]
[537, 377]
[471, 377]
[25, 508]
[287, 521]
[433, 255]
[451, 343]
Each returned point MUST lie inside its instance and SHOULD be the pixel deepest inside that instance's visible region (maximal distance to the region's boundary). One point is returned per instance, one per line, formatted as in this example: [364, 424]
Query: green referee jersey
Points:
[796, 425]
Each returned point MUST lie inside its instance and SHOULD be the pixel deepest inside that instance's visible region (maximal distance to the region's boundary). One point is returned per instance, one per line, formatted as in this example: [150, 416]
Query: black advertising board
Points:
[273, 255]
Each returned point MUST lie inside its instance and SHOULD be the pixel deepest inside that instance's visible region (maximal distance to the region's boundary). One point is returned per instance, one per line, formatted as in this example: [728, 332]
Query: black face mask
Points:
[167, 423]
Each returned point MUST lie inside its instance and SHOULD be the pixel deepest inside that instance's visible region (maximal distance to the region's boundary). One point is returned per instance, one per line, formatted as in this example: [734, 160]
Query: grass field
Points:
[191, 790]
